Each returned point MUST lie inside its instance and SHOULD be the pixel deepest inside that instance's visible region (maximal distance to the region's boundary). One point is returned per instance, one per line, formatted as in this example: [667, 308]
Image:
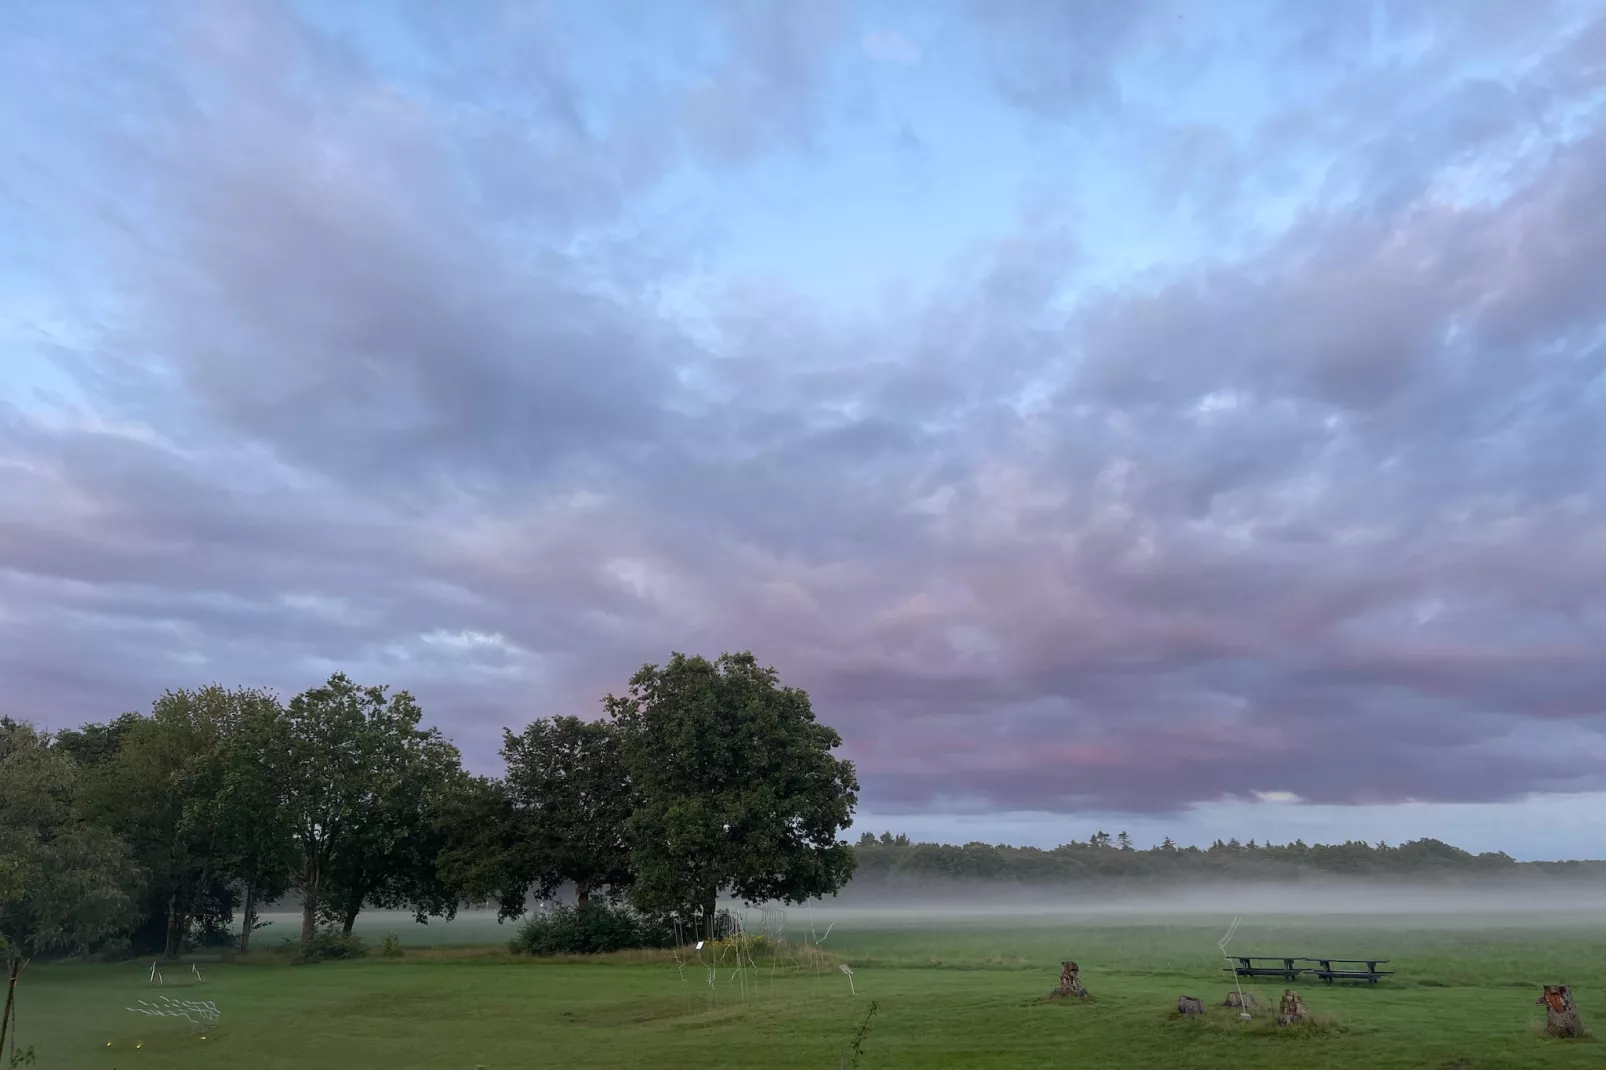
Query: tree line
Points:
[894, 859]
[156, 832]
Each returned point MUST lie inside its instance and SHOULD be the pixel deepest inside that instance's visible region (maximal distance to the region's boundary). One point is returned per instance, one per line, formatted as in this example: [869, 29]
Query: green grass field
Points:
[951, 993]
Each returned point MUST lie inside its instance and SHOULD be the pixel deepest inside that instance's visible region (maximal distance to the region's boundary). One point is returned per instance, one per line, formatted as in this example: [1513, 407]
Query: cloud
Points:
[889, 46]
[383, 370]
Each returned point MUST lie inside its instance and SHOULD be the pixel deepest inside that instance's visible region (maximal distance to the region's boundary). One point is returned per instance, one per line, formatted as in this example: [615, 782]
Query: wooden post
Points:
[7, 1015]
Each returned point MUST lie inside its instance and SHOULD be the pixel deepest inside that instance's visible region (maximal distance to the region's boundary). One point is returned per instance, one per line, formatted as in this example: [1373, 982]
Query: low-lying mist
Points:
[1507, 902]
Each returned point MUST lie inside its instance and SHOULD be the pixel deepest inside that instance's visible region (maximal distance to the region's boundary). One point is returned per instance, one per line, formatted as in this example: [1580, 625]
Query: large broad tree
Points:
[359, 781]
[64, 884]
[571, 798]
[738, 790]
[390, 860]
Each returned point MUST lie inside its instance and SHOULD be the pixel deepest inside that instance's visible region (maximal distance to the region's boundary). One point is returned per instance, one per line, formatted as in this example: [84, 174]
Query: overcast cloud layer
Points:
[1096, 407]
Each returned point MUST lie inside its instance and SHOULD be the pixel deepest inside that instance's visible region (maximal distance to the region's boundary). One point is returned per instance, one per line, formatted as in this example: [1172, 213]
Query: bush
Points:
[116, 949]
[593, 929]
[331, 943]
[390, 947]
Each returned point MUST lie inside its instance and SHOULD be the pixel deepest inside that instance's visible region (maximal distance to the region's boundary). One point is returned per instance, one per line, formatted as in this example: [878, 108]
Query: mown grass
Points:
[951, 994]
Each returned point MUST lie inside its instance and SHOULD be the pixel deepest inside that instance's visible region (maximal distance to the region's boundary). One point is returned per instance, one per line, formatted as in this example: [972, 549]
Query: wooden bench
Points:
[1328, 973]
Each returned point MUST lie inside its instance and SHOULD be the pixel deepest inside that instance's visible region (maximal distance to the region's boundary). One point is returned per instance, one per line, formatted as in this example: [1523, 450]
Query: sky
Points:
[1177, 417]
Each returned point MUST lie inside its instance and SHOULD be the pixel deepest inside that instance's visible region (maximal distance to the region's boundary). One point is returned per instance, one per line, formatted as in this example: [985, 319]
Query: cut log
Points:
[1243, 1001]
[1561, 1018]
[1190, 1005]
[1291, 1009]
[1070, 982]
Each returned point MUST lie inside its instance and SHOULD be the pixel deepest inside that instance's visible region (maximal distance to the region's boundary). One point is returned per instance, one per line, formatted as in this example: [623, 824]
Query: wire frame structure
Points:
[1232, 930]
[200, 1013]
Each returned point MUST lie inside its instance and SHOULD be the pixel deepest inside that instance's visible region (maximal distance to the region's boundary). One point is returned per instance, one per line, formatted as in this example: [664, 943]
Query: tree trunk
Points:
[353, 905]
[582, 893]
[710, 908]
[171, 949]
[11, 995]
[250, 916]
[309, 909]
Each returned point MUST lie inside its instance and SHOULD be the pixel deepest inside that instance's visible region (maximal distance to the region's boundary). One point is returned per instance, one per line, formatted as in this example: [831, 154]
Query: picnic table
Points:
[1370, 975]
[1328, 970]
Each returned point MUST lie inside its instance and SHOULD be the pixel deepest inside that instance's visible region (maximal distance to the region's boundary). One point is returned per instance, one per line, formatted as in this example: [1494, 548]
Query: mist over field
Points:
[1504, 902]
[1538, 903]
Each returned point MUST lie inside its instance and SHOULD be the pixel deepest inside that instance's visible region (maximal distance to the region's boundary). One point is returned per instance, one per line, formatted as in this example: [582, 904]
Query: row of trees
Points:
[896, 859]
[154, 832]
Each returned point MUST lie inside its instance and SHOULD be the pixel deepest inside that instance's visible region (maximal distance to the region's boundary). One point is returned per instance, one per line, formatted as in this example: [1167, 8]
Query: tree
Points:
[64, 884]
[155, 789]
[255, 840]
[94, 744]
[572, 802]
[738, 789]
[1124, 841]
[389, 859]
[1099, 839]
[358, 779]
[480, 860]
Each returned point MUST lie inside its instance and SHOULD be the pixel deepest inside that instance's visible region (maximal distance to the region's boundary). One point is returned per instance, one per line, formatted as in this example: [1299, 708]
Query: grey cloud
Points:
[1318, 519]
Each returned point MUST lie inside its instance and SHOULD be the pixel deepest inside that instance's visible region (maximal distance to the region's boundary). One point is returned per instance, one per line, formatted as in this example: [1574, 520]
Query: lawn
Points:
[951, 993]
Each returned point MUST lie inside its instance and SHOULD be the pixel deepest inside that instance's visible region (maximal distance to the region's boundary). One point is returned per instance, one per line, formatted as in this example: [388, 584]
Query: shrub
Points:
[116, 949]
[390, 947]
[593, 929]
[331, 943]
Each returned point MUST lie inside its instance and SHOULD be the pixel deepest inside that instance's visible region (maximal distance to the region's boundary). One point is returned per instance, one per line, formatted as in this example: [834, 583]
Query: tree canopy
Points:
[572, 799]
[360, 784]
[738, 788]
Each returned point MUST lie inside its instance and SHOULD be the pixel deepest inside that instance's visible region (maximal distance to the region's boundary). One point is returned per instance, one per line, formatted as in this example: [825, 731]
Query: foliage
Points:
[478, 858]
[737, 787]
[593, 929]
[390, 947]
[360, 783]
[64, 883]
[857, 1047]
[330, 943]
[571, 802]
[254, 839]
[148, 789]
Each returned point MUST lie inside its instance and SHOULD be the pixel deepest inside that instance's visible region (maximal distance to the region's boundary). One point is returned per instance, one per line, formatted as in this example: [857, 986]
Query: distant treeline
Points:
[889, 860]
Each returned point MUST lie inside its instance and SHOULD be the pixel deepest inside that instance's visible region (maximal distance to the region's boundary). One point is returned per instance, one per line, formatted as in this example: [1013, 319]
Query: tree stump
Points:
[1291, 1009]
[1190, 1005]
[1070, 982]
[1561, 1018]
[1242, 1001]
